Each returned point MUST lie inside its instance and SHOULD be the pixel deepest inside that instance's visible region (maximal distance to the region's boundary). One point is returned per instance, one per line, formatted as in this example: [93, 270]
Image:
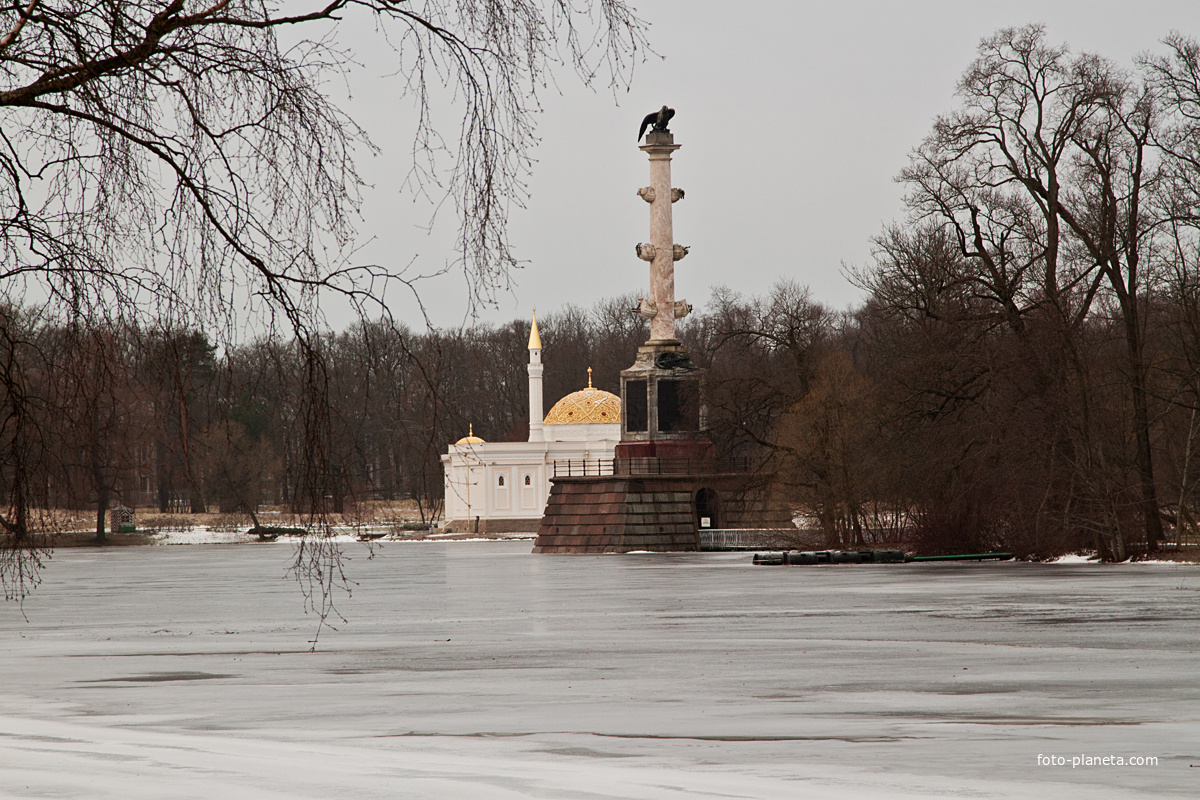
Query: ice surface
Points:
[479, 670]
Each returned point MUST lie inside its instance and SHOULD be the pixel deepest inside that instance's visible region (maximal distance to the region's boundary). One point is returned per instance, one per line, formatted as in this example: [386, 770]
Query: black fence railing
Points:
[583, 467]
[601, 467]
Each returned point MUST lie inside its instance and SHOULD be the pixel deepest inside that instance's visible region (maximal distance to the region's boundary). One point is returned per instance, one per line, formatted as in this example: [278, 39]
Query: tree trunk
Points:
[1141, 426]
[101, 512]
[165, 484]
[1183, 481]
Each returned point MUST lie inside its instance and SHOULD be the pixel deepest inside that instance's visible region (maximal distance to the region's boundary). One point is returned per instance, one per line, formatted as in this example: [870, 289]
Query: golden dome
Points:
[586, 406]
[470, 438]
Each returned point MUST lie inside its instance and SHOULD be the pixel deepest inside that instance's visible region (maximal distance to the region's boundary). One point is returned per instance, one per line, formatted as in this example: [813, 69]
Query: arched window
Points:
[501, 482]
[528, 480]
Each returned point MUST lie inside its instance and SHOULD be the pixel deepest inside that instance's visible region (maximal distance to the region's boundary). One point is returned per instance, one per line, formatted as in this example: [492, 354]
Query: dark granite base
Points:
[621, 513]
[617, 515]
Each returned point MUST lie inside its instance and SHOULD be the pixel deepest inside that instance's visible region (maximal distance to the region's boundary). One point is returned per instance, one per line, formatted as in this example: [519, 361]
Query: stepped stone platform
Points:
[658, 513]
[619, 514]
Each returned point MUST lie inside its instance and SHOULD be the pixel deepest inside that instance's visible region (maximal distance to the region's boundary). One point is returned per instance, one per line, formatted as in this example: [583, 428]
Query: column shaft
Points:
[662, 269]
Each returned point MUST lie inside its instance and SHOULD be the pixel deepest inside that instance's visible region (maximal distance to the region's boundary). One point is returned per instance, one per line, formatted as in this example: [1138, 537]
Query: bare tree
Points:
[23, 451]
[176, 160]
[156, 147]
[1044, 176]
[98, 415]
[827, 447]
[761, 353]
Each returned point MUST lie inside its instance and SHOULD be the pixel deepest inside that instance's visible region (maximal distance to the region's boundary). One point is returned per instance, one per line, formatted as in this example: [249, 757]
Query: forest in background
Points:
[1023, 374]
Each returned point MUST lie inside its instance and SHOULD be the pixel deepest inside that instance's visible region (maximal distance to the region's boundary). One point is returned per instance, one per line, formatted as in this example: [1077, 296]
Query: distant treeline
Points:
[913, 416]
[99, 415]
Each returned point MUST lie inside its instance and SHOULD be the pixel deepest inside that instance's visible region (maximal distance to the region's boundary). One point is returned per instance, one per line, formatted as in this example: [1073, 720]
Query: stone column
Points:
[659, 146]
[536, 409]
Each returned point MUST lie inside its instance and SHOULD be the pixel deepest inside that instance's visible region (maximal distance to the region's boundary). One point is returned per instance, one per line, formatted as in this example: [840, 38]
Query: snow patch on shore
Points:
[1076, 558]
[202, 534]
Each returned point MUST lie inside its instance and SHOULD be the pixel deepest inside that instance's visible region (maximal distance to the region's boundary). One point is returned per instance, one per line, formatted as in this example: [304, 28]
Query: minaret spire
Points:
[535, 340]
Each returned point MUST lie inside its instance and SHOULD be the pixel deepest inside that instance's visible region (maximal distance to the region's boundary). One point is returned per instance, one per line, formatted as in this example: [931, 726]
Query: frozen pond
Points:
[478, 670]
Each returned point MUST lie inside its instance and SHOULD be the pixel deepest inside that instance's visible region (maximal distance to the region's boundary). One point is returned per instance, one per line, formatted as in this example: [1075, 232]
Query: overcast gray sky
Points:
[794, 120]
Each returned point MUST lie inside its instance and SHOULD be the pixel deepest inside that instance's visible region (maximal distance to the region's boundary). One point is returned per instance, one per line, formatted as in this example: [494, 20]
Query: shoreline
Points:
[204, 535]
[199, 536]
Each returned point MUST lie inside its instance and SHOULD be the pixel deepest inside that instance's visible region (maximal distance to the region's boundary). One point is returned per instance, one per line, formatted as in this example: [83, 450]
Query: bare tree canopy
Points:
[173, 152]
[1051, 179]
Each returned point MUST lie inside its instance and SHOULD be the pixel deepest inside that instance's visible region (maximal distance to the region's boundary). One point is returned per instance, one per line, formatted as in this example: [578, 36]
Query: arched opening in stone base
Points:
[707, 516]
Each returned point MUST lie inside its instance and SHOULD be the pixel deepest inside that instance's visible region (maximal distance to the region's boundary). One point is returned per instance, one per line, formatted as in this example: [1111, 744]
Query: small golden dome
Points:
[470, 438]
[586, 406]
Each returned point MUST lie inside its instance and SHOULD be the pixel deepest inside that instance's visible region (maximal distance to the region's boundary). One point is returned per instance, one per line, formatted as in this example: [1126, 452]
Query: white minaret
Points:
[536, 409]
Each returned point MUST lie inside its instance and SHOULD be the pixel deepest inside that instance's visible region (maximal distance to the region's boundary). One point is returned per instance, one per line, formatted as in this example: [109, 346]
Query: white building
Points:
[503, 486]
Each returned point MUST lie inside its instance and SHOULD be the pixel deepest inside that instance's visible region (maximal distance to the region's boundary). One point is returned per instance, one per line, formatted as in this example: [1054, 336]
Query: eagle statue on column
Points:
[658, 119]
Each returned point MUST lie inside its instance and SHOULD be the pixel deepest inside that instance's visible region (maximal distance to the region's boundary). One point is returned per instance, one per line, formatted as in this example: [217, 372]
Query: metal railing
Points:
[601, 467]
[744, 539]
[583, 467]
[679, 466]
